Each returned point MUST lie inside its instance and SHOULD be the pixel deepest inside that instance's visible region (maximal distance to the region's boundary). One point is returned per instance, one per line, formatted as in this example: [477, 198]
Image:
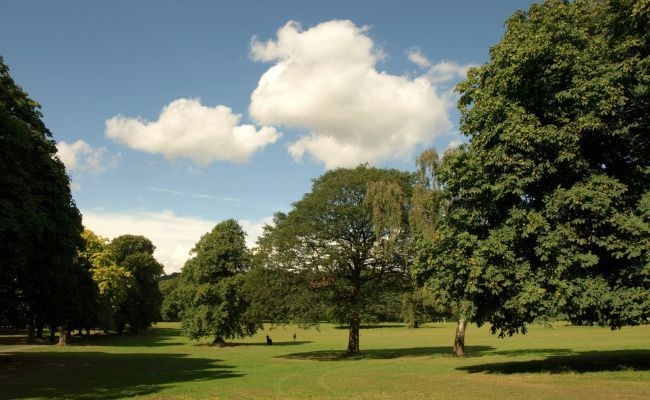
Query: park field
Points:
[549, 362]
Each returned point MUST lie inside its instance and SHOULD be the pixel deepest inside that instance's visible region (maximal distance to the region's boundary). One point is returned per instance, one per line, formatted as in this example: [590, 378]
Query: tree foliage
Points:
[346, 236]
[40, 226]
[210, 286]
[548, 204]
[141, 307]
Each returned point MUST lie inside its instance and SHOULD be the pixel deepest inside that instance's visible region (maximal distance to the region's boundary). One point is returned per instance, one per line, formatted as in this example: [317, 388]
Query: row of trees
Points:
[52, 272]
[545, 212]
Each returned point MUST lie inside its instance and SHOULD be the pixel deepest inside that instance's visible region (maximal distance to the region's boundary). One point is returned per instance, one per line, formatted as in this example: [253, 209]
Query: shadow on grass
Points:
[152, 337]
[591, 361]
[383, 354]
[378, 326]
[290, 343]
[97, 375]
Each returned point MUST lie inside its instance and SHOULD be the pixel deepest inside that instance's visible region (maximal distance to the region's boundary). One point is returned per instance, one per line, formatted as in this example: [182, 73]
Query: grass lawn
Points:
[558, 362]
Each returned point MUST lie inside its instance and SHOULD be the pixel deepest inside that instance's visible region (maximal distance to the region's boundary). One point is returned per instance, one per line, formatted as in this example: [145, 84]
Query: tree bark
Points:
[31, 330]
[353, 340]
[64, 335]
[39, 330]
[459, 338]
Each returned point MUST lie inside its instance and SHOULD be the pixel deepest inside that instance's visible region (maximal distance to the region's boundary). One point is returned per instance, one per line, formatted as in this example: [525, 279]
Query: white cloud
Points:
[454, 144]
[174, 236]
[325, 79]
[446, 71]
[188, 129]
[416, 57]
[82, 157]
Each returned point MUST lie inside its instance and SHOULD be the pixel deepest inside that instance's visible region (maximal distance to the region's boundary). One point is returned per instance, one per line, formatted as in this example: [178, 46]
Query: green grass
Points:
[558, 362]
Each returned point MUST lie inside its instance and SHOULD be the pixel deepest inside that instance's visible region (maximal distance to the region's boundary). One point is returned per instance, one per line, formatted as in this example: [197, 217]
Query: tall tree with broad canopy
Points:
[141, 307]
[549, 203]
[210, 286]
[40, 226]
[347, 235]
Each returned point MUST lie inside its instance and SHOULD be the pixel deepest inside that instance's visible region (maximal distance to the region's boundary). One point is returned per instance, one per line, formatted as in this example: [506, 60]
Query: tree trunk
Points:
[64, 335]
[459, 338]
[52, 334]
[353, 341]
[31, 330]
[39, 330]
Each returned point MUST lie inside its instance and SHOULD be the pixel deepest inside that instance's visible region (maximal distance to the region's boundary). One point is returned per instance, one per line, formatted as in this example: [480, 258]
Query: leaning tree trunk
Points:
[353, 341]
[459, 338]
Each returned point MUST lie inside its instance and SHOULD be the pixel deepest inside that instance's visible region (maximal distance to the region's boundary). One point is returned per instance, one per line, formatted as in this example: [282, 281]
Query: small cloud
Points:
[195, 195]
[416, 57]
[81, 157]
[446, 71]
[453, 144]
[188, 129]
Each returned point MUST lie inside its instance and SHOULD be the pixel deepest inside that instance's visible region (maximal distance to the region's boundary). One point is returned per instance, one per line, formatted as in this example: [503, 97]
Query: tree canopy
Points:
[547, 209]
[141, 306]
[40, 226]
[346, 235]
[210, 287]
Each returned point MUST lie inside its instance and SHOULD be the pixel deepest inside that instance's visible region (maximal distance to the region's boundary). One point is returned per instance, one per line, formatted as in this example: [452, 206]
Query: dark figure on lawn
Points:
[268, 340]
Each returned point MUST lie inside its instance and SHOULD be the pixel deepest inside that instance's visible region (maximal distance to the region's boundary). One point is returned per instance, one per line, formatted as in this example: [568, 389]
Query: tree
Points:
[141, 307]
[548, 203]
[211, 283]
[113, 281]
[346, 235]
[40, 226]
[171, 305]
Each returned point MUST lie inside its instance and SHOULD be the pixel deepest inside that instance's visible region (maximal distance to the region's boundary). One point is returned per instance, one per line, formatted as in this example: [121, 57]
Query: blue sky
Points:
[174, 115]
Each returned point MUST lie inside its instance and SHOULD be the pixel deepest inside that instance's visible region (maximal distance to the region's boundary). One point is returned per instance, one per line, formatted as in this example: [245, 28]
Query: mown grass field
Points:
[558, 362]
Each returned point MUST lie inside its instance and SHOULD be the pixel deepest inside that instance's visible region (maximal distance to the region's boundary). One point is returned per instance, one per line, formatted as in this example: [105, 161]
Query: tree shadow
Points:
[591, 361]
[383, 354]
[540, 352]
[153, 337]
[378, 326]
[288, 343]
[98, 375]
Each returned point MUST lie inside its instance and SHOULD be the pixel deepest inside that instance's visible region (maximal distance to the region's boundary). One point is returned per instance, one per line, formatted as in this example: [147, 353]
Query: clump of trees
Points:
[52, 272]
[40, 229]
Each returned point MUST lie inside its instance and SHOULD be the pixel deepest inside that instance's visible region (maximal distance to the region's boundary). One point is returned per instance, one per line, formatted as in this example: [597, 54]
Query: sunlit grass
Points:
[550, 362]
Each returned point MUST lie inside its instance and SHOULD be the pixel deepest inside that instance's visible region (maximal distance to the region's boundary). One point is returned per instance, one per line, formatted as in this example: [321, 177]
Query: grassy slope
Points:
[559, 363]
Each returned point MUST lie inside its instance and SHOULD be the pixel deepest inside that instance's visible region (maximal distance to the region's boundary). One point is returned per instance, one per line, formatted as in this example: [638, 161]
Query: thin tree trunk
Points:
[459, 338]
[52, 334]
[353, 341]
[31, 330]
[39, 330]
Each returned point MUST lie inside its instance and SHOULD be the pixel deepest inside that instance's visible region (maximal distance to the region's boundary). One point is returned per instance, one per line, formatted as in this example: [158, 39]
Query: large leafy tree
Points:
[549, 202]
[141, 307]
[113, 281]
[346, 235]
[40, 226]
[210, 286]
